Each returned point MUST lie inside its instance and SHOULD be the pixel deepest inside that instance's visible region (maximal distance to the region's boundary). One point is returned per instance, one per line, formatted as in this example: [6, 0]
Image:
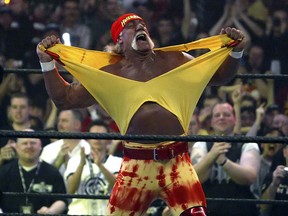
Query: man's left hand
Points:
[235, 34]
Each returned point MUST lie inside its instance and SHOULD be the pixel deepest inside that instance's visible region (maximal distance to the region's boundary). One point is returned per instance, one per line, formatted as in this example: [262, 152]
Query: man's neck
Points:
[20, 127]
[136, 57]
[72, 143]
[267, 158]
[28, 164]
[224, 133]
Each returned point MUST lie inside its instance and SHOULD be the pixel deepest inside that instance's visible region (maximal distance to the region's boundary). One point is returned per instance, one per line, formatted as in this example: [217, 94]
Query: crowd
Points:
[251, 107]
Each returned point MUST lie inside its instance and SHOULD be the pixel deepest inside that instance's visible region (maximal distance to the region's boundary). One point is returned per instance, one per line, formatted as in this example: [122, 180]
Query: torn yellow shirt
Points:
[178, 90]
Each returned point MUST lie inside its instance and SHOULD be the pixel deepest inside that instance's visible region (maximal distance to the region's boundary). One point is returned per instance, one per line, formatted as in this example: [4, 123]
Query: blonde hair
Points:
[113, 49]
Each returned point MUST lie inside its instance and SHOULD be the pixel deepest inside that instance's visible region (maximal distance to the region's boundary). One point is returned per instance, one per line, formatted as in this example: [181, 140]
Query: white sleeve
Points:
[47, 155]
[51, 151]
[72, 165]
[250, 146]
[200, 145]
[113, 163]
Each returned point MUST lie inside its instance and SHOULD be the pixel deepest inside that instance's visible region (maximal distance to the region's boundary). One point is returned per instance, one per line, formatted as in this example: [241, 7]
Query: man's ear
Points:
[120, 41]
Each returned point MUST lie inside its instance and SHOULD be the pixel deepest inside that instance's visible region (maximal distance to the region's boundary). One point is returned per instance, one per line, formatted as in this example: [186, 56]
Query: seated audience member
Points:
[59, 152]
[281, 121]
[19, 109]
[275, 187]
[248, 117]
[205, 112]
[92, 174]
[226, 170]
[28, 174]
[263, 121]
[268, 152]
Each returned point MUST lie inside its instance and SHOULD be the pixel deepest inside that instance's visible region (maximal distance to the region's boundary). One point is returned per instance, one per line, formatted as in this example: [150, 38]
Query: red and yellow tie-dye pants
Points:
[139, 182]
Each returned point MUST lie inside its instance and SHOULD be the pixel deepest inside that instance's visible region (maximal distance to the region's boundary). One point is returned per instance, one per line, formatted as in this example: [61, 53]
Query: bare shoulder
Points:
[175, 57]
[112, 68]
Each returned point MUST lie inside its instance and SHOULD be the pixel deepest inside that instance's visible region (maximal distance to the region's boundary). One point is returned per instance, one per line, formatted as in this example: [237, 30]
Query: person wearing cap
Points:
[146, 92]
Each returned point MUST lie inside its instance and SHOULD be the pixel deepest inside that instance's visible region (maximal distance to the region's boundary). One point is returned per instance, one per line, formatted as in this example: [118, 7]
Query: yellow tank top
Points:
[178, 90]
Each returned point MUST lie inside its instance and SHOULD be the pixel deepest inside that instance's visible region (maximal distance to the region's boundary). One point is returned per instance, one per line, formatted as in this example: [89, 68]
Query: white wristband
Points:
[236, 55]
[47, 66]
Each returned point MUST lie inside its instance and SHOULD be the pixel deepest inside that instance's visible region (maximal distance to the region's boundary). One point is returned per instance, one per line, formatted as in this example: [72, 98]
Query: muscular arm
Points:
[229, 68]
[63, 94]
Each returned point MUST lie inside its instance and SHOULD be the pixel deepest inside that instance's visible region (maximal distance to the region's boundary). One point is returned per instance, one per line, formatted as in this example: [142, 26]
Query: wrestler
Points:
[149, 170]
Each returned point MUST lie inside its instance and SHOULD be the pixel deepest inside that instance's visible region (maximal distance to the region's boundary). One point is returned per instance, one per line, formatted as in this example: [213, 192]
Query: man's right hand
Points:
[8, 151]
[46, 43]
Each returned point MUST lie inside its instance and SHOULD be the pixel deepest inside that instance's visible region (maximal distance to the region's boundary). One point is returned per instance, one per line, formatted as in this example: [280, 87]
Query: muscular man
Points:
[149, 170]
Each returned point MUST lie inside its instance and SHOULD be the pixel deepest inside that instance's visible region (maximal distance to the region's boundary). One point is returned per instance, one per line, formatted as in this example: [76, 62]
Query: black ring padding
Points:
[247, 76]
[128, 137]
[103, 197]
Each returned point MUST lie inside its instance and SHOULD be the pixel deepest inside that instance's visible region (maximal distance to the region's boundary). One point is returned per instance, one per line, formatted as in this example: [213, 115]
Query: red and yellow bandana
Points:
[120, 23]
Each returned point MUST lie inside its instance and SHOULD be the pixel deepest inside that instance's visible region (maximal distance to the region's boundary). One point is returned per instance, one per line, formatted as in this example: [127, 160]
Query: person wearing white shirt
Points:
[92, 174]
[226, 170]
[59, 152]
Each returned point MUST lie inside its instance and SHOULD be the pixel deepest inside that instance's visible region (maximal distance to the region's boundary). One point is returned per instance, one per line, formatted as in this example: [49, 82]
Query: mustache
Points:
[149, 40]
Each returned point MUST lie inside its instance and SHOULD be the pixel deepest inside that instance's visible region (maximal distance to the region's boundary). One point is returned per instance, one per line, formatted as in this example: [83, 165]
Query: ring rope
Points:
[103, 197]
[250, 76]
[116, 136]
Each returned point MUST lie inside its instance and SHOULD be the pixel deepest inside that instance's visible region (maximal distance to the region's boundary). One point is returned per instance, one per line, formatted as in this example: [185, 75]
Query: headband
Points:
[120, 23]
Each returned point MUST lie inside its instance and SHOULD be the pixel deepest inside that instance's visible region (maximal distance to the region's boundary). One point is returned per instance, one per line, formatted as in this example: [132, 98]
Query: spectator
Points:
[19, 116]
[189, 23]
[108, 11]
[28, 174]
[265, 122]
[248, 117]
[275, 187]
[281, 121]
[258, 122]
[88, 9]
[205, 111]
[92, 174]
[59, 152]
[276, 50]
[14, 21]
[146, 11]
[254, 63]
[166, 32]
[195, 129]
[268, 152]
[76, 33]
[10, 85]
[230, 17]
[226, 170]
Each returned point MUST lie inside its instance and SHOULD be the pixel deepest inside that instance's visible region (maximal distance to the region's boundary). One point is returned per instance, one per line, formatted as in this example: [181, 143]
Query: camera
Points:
[286, 172]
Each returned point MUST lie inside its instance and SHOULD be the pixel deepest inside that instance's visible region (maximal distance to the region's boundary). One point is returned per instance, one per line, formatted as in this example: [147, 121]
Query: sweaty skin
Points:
[145, 91]
[140, 65]
[158, 95]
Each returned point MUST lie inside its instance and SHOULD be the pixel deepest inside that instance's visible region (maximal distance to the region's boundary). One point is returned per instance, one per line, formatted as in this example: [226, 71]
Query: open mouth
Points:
[141, 36]
[271, 147]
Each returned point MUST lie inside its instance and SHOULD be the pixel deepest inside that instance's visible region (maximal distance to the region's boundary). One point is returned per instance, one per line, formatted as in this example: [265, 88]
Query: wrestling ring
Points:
[116, 136]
